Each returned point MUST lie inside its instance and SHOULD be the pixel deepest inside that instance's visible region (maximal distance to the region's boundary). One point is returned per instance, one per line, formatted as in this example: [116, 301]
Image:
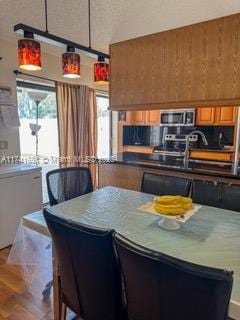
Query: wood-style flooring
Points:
[17, 301]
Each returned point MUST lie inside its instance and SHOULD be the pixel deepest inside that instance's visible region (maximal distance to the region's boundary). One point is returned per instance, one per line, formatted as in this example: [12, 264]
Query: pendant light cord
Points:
[89, 23]
[46, 16]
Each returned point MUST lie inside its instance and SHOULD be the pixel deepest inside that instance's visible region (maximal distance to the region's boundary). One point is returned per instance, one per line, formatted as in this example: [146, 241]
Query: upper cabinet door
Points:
[226, 116]
[139, 117]
[125, 117]
[129, 117]
[153, 117]
[205, 116]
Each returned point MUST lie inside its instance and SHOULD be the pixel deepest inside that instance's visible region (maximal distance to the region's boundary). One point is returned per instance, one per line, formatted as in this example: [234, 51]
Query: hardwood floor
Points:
[17, 301]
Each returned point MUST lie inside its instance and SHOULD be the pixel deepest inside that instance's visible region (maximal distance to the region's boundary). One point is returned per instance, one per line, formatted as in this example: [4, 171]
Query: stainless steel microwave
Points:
[177, 118]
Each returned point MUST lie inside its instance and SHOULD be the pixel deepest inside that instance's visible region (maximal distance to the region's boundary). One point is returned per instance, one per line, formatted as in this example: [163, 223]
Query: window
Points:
[104, 123]
[45, 145]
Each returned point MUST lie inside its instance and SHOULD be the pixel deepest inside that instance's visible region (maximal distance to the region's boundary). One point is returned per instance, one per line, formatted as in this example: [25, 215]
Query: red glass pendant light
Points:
[71, 63]
[29, 53]
[101, 71]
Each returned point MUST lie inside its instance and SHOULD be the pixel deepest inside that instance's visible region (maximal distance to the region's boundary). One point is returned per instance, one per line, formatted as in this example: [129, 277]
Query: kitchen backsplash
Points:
[223, 135]
[154, 135]
[138, 135]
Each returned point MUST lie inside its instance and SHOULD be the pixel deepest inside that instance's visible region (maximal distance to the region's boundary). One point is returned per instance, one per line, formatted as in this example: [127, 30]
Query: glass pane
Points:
[44, 145]
[103, 117]
[177, 117]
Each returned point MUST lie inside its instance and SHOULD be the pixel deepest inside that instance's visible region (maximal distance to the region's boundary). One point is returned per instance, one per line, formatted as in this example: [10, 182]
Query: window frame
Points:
[35, 85]
[106, 96]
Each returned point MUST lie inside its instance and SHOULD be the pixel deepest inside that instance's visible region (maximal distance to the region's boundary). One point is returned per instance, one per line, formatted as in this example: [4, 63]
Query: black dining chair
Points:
[67, 281]
[165, 185]
[89, 272]
[64, 184]
[67, 183]
[162, 287]
[208, 193]
[217, 194]
[231, 197]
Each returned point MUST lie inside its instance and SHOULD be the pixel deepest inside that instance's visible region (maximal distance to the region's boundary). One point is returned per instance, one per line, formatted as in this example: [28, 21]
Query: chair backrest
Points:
[217, 194]
[98, 273]
[208, 193]
[168, 185]
[161, 287]
[69, 290]
[67, 183]
[87, 256]
[231, 197]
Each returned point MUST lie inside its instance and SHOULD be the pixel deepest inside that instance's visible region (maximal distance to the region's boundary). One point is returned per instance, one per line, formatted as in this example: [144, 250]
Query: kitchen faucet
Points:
[204, 139]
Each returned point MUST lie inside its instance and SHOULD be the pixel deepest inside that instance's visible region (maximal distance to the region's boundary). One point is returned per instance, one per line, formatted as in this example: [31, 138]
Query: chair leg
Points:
[63, 313]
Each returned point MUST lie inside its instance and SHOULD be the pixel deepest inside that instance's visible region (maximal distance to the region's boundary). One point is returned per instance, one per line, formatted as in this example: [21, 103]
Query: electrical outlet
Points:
[3, 145]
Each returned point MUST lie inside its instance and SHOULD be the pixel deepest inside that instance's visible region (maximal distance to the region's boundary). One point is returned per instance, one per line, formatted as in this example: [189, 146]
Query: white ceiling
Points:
[112, 20]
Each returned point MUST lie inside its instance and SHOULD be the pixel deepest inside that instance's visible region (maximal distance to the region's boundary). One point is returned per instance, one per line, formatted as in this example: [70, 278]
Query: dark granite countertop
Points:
[156, 161]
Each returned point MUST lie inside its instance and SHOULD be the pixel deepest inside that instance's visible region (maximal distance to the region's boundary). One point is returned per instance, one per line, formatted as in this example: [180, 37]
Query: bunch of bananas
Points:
[172, 205]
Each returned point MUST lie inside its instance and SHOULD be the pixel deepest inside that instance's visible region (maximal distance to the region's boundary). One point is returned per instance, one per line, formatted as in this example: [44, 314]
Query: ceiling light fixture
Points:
[71, 63]
[29, 50]
[101, 71]
[52, 39]
[101, 68]
[29, 53]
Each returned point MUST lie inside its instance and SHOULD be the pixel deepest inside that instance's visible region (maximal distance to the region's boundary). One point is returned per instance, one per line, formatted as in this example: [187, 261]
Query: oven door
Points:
[172, 118]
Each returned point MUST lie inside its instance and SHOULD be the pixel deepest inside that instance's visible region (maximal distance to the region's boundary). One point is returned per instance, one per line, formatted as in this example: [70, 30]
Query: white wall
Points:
[7, 78]
[51, 68]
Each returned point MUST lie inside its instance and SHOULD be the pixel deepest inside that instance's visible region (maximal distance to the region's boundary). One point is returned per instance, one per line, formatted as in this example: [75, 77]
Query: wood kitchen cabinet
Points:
[217, 156]
[193, 65]
[152, 117]
[138, 149]
[141, 118]
[218, 116]
[125, 118]
[138, 117]
[226, 116]
[205, 116]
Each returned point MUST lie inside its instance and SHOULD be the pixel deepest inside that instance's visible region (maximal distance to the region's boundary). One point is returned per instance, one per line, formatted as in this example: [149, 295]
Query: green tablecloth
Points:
[211, 237]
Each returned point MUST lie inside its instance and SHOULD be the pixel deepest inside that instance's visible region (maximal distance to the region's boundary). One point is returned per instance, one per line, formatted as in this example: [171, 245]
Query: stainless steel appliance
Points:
[177, 118]
[175, 144]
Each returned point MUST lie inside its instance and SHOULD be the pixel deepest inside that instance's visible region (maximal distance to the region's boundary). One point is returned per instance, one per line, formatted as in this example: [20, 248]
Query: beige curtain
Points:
[77, 125]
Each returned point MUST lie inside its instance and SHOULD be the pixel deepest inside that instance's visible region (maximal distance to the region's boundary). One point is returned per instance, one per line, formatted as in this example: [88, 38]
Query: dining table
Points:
[211, 237]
